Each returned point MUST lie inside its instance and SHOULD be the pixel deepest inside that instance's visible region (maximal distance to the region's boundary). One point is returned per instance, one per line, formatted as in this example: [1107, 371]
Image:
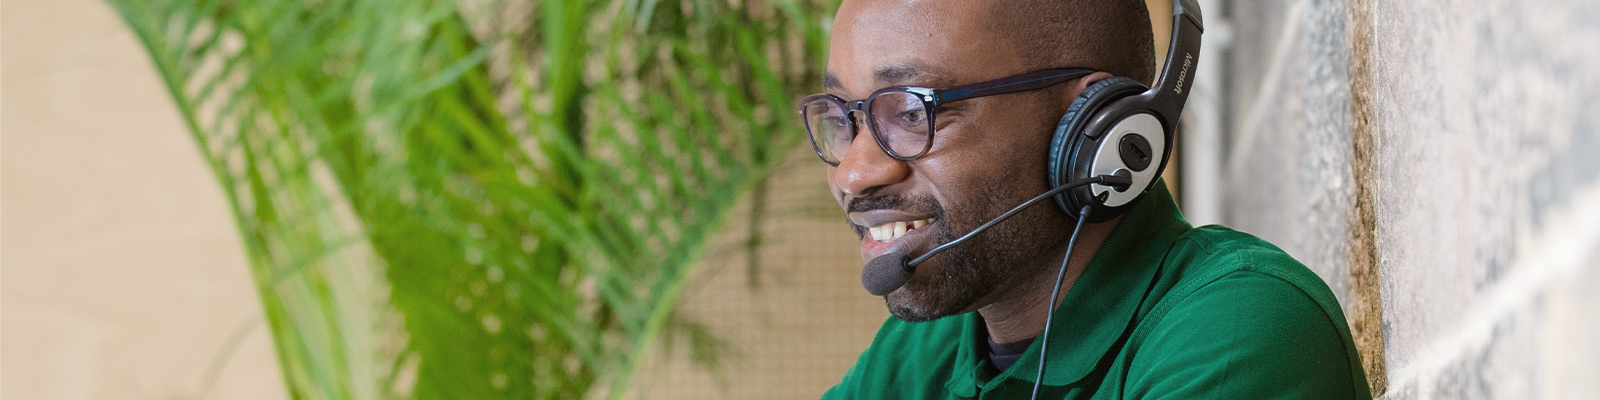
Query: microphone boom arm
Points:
[1116, 181]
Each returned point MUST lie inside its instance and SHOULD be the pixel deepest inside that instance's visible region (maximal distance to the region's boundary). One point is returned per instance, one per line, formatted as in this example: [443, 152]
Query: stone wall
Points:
[1435, 162]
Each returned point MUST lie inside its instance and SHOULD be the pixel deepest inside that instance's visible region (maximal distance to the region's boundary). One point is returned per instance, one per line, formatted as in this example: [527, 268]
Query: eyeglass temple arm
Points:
[1012, 84]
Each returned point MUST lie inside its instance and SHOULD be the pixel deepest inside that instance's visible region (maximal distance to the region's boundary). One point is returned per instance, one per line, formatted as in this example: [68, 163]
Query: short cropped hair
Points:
[1106, 35]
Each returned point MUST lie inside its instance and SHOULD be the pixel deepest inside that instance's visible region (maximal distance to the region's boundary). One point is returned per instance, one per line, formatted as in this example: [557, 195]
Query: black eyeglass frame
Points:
[931, 99]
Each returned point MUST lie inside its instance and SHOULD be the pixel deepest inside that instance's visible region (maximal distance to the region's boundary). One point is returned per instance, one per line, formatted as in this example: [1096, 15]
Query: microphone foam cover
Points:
[885, 274]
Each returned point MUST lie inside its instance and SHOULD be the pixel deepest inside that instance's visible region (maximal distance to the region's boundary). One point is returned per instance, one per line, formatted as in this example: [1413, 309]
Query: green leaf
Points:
[499, 199]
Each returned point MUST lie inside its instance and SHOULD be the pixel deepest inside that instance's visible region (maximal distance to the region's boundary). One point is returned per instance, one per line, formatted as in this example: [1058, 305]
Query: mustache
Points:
[921, 204]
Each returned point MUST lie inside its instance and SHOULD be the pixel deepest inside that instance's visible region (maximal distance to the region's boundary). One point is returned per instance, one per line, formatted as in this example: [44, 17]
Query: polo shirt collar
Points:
[1097, 310]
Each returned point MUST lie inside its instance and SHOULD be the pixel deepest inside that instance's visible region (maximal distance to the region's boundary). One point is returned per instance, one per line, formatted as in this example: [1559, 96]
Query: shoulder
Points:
[1212, 260]
[1245, 320]
[1222, 273]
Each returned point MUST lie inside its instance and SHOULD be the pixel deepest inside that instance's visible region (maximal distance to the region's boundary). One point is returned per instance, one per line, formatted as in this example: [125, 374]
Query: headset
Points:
[1119, 125]
[1108, 149]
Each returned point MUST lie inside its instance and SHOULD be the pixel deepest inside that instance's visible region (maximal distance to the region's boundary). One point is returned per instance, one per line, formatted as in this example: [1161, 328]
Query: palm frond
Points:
[492, 199]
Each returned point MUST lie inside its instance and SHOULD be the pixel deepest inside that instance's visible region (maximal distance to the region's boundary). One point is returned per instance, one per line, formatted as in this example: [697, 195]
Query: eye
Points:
[914, 116]
[836, 122]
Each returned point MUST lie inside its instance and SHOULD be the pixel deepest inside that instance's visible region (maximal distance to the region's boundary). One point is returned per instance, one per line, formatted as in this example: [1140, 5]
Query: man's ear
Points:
[1077, 87]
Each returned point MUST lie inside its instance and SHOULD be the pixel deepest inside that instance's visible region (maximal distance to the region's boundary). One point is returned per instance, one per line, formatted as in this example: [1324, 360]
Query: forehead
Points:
[878, 43]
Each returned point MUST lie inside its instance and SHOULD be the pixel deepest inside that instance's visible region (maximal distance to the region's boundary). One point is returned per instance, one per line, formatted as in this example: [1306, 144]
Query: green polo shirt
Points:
[1164, 310]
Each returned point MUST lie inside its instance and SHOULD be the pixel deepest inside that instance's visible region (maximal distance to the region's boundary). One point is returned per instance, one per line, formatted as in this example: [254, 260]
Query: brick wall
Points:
[1436, 163]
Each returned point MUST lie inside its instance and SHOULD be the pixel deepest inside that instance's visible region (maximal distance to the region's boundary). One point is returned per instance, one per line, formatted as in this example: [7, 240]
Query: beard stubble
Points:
[959, 279]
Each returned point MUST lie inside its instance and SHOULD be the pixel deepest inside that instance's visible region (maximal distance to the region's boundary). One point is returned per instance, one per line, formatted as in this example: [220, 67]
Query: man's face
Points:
[988, 154]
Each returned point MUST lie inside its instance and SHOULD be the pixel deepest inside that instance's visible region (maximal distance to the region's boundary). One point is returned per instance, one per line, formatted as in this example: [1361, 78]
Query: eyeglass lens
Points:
[899, 119]
[830, 128]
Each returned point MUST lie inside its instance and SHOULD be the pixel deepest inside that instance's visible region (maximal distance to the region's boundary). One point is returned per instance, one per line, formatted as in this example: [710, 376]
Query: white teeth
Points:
[894, 230]
[882, 234]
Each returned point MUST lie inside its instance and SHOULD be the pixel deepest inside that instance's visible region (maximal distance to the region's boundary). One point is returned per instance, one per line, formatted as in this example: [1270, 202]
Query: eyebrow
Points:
[898, 74]
[831, 82]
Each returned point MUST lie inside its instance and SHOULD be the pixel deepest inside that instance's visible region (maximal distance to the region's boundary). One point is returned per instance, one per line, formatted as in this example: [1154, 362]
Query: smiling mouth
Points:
[894, 230]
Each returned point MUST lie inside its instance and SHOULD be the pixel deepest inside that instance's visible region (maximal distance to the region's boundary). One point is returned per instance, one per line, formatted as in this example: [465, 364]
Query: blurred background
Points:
[607, 199]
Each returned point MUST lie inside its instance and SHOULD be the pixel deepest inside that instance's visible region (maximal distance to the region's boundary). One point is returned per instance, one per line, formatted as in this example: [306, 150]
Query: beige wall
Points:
[121, 274]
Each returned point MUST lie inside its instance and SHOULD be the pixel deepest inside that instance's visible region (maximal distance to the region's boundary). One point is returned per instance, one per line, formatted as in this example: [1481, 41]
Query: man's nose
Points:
[866, 168]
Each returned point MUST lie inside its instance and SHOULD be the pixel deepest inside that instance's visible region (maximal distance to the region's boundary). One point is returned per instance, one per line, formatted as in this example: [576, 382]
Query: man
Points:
[1150, 306]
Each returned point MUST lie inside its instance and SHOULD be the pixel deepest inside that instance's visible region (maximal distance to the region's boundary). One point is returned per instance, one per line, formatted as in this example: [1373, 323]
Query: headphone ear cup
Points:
[1068, 144]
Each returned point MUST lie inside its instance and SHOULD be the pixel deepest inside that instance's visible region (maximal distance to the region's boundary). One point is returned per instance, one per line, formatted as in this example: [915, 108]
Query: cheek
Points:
[1029, 131]
[1011, 151]
[988, 156]
[1013, 131]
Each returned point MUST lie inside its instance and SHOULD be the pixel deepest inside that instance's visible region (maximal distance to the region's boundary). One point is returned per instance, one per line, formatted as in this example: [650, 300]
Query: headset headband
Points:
[1166, 98]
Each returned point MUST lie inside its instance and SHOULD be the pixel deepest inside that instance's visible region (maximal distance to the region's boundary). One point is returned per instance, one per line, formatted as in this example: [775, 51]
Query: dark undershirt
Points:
[1002, 355]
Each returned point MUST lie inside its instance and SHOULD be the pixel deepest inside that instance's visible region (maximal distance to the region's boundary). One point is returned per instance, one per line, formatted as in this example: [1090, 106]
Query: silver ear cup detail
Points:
[1074, 143]
[1108, 158]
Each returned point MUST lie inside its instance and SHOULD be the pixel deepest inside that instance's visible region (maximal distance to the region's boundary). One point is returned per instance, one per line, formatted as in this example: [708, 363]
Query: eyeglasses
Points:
[901, 117]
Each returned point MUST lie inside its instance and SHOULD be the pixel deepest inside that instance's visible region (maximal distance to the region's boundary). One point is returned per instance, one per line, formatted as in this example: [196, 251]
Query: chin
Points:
[911, 313]
[921, 301]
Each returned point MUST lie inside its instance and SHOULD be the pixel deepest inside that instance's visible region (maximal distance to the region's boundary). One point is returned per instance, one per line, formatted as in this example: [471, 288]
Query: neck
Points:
[1018, 315]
